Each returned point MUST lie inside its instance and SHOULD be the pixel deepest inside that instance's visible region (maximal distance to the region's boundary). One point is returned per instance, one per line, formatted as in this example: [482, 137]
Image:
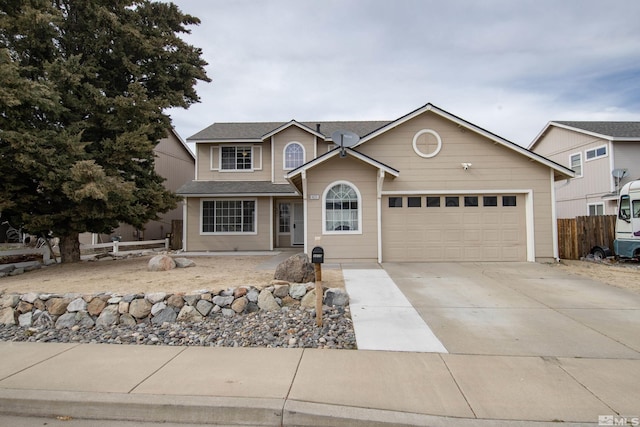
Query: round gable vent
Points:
[427, 143]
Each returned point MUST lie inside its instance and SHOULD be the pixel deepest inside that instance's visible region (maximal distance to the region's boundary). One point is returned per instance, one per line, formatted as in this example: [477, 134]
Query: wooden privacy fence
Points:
[576, 236]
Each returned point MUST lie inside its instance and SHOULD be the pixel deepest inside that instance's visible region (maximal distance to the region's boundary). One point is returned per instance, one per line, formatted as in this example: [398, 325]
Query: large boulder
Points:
[296, 269]
[161, 263]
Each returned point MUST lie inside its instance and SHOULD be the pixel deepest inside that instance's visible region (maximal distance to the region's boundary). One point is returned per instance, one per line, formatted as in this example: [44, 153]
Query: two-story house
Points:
[604, 157]
[428, 186]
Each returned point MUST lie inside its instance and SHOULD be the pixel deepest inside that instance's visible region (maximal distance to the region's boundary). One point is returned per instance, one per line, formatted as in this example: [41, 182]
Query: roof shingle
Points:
[611, 129]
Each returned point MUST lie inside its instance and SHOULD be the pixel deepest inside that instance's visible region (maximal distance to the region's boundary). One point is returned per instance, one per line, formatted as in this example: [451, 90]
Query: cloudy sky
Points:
[509, 66]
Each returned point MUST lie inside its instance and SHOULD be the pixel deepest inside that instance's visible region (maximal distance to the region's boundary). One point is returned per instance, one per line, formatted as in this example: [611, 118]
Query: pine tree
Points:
[83, 89]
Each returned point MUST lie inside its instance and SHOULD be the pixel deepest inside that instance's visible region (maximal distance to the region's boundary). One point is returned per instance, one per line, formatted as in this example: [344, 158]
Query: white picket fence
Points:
[117, 247]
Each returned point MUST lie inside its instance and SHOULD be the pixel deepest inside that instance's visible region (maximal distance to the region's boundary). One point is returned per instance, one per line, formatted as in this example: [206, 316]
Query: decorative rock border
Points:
[77, 311]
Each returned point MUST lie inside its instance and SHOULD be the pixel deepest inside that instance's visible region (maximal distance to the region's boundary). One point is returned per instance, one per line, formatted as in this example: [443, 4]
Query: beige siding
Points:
[494, 167]
[346, 247]
[573, 197]
[216, 242]
[626, 155]
[209, 155]
[281, 140]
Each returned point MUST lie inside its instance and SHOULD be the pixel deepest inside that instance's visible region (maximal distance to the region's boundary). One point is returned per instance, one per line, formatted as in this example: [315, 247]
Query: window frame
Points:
[228, 233]
[411, 200]
[324, 209]
[595, 151]
[284, 155]
[578, 175]
[284, 214]
[396, 199]
[595, 205]
[255, 153]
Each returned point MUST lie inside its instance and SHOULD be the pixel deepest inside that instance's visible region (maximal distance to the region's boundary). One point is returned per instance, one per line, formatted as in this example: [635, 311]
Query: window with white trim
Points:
[576, 163]
[596, 153]
[236, 158]
[228, 216]
[596, 209]
[293, 155]
[341, 209]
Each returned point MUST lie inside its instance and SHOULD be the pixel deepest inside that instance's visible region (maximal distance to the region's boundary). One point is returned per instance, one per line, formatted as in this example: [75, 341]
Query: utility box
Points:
[317, 255]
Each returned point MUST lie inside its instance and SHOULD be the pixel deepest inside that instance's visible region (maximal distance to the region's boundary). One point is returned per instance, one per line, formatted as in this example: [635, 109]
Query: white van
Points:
[627, 241]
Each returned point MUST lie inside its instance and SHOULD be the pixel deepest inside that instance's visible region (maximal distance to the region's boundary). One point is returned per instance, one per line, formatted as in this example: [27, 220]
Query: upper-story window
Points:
[576, 164]
[235, 158]
[596, 153]
[293, 155]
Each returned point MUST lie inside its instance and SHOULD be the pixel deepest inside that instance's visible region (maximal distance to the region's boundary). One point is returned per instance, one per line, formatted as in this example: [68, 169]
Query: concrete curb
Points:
[147, 408]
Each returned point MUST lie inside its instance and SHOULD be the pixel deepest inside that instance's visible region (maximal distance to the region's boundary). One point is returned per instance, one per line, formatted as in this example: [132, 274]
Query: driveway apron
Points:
[383, 318]
[521, 309]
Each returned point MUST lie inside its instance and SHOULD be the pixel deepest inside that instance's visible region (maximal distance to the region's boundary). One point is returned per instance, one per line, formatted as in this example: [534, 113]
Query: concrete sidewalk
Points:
[258, 386]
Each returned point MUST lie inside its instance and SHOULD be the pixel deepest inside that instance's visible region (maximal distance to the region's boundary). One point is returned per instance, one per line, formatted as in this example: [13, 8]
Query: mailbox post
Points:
[317, 258]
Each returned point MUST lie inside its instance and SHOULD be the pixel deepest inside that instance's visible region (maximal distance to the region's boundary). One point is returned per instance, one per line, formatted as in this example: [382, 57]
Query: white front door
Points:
[298, 224]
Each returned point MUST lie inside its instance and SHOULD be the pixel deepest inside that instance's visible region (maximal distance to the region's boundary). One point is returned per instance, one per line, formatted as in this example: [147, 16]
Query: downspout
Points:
[554, 219]
[380, 181]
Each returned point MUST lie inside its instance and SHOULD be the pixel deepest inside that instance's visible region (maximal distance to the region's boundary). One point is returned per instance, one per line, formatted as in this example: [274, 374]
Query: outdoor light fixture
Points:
[466, 166]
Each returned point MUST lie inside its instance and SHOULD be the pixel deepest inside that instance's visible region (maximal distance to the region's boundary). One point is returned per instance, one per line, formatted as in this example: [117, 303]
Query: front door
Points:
[298, 224]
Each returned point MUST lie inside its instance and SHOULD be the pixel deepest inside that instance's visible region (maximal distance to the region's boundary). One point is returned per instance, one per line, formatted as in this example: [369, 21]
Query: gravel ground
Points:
[286, 328]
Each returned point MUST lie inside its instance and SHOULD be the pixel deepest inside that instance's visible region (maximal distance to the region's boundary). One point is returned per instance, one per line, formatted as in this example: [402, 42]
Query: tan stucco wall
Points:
[221, 242]
[494, 167]
[207, 152]
[281, 140]
[344, 247]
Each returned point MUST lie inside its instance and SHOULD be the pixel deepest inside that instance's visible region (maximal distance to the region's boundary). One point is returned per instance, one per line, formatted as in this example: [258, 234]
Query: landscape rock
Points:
[139, 308]
[252, 295]
[7, 317]
[10, 300]
[222, 301]
[127, 319]
[281, 291]
[44, 320]
[296, 269]
[57, 306]
[25, 320]
[191, 299]
[309, 300]
[67, 320]
[155, 297]
[227, 312]
[267, 302]
[188, 313]
[39, 304]
[239, 304]
[84, 320]
[240, 292]
[77, 304]
[175, 301]
[336, 297]
[96, 306]
[204, 307]
[123, 307]
[161, 263]
[157, 308]
[30, 297]
[24, 307]
[168, 314]
[16, 271]
[297, 290]
[108, 317]
[184, 262]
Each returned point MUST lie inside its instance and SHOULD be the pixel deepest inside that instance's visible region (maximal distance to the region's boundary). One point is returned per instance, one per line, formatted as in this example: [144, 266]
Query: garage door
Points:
[454, 228]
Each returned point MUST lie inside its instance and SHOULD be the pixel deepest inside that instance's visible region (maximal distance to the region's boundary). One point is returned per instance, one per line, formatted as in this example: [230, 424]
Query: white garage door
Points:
[454, 228]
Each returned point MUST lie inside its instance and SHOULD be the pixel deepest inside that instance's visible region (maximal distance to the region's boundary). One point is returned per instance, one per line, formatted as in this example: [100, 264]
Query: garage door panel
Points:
[462, 233]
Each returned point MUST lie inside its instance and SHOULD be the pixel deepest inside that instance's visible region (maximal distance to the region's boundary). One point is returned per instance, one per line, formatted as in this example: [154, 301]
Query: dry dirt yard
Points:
[130, 275]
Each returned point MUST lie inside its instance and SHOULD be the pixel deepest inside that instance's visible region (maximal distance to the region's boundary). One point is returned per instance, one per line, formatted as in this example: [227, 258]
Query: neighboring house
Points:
[594, 150]
[175, 162]
[428, 186]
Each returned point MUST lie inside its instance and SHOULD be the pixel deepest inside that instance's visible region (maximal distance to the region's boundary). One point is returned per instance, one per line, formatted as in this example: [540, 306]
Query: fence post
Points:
[166, 243]
[115, 247]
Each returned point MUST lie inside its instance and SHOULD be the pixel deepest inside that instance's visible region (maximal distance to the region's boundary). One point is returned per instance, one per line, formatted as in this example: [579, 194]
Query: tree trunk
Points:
[70, 248]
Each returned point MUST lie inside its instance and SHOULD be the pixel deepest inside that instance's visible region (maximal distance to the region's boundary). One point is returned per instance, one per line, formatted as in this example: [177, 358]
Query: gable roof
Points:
[560, 171]
[294, 176]
[614, 131]
[259, 131]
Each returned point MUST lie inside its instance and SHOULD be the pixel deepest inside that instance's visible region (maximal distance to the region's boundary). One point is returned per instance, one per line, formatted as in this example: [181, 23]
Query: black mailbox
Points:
[317, 255]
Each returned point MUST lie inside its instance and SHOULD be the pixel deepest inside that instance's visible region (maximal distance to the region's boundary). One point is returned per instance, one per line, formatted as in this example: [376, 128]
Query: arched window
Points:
[342, 209]
[293, 155]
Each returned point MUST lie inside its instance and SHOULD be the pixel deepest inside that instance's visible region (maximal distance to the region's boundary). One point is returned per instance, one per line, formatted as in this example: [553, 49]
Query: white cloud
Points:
[507, 66]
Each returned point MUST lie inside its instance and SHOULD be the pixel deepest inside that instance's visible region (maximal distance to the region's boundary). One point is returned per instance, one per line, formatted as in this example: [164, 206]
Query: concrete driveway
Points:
[521, 309]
